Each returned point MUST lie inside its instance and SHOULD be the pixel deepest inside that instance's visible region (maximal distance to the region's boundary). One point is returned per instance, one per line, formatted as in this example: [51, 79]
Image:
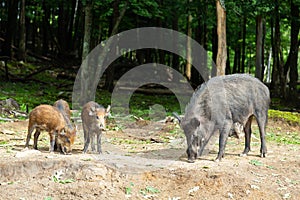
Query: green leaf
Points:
[152, 190]
[66, 181]
[256, 163]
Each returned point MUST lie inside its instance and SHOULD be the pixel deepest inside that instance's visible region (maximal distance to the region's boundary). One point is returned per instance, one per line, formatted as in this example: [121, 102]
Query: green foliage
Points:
[128, 189]
[148, 9]
[140, 104]
[149, 189]
[276, 134]
[288, 117]
[256, 163]
[57, 180]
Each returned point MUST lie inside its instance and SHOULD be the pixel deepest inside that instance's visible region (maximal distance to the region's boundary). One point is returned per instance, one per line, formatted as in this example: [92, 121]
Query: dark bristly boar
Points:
[93, 118]
[64, 109]
[220, 103]
[48, 118]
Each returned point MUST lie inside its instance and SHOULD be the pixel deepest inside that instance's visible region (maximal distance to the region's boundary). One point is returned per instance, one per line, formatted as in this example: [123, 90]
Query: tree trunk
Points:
[71, 25]
[188, 66]
[292, 61]
[259, 47]
[244, 44]
[228, 70]
[87, 30]
[237, 55]
[87, 77]
[277, 69]
[214, 49]
[175, 57]
[11, 27]
[46, 27]
[22, 42]
[78, 25]
[118, 15]
[221, 30]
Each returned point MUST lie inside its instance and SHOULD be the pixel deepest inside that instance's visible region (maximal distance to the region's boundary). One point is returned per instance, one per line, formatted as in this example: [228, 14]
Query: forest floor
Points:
[147, 160]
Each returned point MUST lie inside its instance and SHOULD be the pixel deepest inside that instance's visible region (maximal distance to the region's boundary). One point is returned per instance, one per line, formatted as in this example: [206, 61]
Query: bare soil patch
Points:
[146, 160]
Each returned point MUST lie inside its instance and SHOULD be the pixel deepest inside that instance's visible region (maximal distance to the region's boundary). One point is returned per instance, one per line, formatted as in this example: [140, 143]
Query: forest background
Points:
[260, 37]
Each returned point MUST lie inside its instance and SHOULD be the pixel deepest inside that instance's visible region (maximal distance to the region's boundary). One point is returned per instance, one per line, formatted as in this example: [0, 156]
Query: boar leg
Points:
[261, 121]
[30, 130]
[99, 142]
[92, 135]
[248, 131]
[224, 132]
[86, 142]
[36, 137]
[85, 131]
[52, 140]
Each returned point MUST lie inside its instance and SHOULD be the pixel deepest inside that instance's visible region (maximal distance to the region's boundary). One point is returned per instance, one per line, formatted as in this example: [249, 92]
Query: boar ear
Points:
[92, 111]
[175, 114]
[63, 132]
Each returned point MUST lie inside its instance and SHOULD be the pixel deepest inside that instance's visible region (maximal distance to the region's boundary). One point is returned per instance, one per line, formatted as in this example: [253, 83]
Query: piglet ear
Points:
[107, 111]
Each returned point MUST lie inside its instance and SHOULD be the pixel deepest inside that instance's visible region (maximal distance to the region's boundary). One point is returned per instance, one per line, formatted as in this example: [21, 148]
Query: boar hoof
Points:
[25, 149]
[262, 155]
[243, 154]
[217, 160]
[190, 161]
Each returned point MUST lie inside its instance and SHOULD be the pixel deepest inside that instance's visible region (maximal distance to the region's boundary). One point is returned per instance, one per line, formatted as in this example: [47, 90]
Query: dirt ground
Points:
[146, 160]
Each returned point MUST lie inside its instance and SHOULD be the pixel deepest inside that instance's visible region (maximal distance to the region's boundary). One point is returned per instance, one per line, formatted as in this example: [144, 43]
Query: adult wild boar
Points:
[49, 118]
[220, 103]
[93, 118]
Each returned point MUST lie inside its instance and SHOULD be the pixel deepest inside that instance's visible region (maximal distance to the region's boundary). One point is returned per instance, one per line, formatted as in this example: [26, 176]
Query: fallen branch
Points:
[6, 119]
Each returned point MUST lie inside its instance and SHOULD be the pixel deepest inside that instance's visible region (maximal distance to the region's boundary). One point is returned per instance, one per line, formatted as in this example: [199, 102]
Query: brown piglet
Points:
[93, 118]
[48, 118]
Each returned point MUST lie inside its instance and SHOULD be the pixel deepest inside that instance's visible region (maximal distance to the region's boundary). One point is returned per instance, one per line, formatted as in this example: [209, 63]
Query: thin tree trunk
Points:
[86, 76]
[11, 27]
[45, 28]
[188, 66]
[228, 70]
[269, 66]
[175, 57]
[78, 24]
[87, 30]
[221, 30]
[277, 69]
[244, 44]
[237, 54]
[259, 48]
[22, 42]
[117, 20]
[71, 25]
[292, 61]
